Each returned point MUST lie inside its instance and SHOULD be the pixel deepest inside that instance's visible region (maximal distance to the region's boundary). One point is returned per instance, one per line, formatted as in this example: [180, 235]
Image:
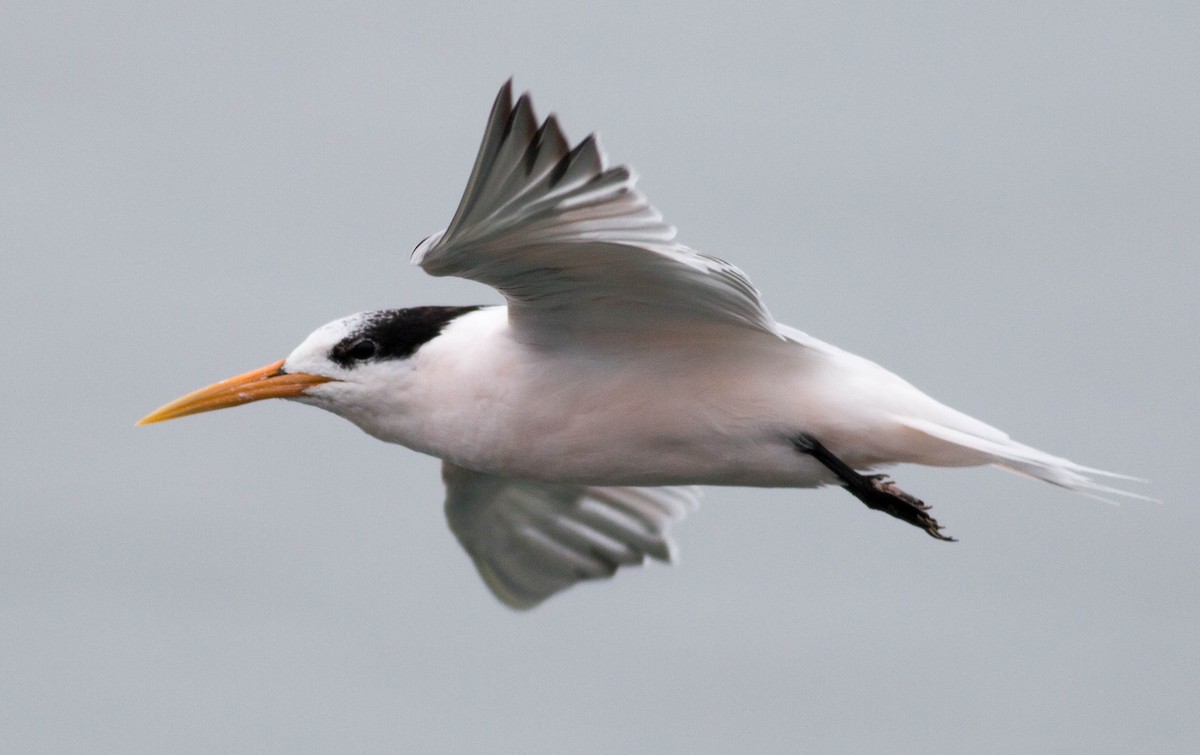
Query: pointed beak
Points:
[265, 382]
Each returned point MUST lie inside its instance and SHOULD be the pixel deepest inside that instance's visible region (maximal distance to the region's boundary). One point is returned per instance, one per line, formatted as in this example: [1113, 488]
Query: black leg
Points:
[877, 491]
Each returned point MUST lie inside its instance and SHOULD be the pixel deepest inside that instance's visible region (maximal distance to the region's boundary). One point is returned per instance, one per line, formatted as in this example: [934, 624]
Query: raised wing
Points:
[530, 540]
[573, 245]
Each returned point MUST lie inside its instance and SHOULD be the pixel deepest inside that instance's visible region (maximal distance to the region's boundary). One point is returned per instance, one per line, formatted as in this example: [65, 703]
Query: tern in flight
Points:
[574, 421]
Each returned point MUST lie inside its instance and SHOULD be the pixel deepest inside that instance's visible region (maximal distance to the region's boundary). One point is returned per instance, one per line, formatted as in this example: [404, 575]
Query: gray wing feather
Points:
[530, 540]
[572, 244]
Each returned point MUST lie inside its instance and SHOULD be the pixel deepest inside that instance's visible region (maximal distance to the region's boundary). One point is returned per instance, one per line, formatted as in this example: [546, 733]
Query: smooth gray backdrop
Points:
[998, 201]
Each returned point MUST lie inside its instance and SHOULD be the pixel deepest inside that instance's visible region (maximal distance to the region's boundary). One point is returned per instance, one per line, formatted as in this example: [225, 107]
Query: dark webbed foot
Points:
[885, 496]
[876, 491]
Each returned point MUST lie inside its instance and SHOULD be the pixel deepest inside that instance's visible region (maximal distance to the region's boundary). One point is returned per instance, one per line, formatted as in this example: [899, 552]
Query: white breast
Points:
[707, 414]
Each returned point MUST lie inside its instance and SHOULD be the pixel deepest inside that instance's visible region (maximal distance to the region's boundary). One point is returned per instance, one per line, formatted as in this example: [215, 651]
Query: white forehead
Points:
[314, 350]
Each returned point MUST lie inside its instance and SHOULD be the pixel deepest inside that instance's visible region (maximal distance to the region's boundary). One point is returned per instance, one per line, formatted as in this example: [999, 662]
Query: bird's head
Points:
[352, 367]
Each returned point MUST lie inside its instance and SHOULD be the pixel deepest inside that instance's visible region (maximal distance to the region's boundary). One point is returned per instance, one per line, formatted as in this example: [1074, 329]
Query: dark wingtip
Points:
[504, 98]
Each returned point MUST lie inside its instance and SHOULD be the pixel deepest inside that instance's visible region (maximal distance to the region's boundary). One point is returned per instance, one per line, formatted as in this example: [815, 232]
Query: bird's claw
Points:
[875, 490]
[884, 495]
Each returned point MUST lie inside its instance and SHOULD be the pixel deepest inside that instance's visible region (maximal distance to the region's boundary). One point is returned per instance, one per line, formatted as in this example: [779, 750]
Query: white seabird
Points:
[626, 368]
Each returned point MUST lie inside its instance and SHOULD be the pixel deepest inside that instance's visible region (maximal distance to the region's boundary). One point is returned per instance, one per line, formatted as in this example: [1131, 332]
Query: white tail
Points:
[1025, 460]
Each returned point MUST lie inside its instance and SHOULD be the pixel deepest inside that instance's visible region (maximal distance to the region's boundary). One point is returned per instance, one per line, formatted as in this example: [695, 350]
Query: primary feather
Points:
[572, 244]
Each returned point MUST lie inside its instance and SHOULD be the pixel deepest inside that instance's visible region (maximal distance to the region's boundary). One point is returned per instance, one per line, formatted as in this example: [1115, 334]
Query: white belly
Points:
[722, 413]
[648, 419]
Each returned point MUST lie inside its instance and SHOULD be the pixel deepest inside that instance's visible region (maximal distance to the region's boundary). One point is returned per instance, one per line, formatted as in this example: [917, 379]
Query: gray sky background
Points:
[999, 203]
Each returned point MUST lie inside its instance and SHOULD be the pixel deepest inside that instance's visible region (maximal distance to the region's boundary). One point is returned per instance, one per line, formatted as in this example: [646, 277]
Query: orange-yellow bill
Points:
[265, 382]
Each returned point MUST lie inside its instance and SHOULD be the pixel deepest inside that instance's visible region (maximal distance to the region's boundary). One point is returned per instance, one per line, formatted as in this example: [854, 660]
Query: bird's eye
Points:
[362, 350]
